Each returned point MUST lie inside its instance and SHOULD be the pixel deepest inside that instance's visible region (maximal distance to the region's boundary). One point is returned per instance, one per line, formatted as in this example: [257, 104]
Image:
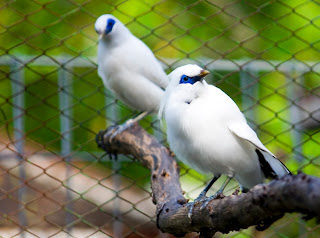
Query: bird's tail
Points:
[271, 166]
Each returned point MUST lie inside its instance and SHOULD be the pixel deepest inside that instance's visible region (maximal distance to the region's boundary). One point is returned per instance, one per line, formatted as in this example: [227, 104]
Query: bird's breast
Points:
[199, 135]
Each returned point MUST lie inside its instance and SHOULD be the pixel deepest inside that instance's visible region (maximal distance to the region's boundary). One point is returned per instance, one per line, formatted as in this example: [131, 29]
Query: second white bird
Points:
[208, 132]
[128, 67]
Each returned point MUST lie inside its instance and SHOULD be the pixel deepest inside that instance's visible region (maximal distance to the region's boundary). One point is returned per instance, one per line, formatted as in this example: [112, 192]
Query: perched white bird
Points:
[128, 67]
[208, 132]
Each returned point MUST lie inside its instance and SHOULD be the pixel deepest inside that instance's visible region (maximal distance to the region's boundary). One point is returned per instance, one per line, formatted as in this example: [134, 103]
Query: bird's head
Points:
[187, 74]
[182, 79]
[107, 24]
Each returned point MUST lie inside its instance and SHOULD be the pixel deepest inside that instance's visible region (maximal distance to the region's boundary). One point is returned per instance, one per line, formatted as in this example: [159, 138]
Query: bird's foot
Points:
[119, 129]
[100, 139]
[200, 198]
[101, 143]
[217, 194]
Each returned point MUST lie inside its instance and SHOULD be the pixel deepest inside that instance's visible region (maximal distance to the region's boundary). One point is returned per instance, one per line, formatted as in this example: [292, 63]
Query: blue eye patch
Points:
[110, 24]
[191, 80]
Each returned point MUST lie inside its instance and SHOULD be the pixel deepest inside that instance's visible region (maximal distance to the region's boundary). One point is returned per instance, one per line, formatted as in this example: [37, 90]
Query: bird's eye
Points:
[184, 77]
[110, 24]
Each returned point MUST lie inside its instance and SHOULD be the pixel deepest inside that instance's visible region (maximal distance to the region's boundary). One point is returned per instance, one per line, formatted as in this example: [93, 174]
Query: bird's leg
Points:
[220, 191]
[127, 124]
[224, 185]
[202, 195]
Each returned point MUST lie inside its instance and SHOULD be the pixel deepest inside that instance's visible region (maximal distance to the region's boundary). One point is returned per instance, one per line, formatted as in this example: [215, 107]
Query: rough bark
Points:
[261, 206]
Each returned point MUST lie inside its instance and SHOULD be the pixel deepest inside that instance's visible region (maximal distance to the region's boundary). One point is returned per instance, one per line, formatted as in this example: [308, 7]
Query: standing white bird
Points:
[128, 68]
[208, 132]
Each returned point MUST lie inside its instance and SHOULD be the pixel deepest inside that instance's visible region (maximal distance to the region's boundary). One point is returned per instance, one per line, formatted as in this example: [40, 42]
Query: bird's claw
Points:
[112, 132]
[200, 198]
[116, 130]
[100, 140]
[210, 199]
[191, 210]
[207, 202]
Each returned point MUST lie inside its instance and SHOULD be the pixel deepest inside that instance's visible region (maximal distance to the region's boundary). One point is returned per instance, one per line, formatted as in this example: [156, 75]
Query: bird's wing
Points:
[148, 65]
[244, 131]
[270, 165]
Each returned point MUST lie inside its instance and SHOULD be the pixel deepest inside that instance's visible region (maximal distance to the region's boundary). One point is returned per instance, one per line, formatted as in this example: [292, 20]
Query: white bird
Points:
[128, 68]
[208, 132]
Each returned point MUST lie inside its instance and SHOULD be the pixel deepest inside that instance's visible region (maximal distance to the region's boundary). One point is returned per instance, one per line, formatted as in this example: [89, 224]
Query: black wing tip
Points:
[265, 166]
[267, 170]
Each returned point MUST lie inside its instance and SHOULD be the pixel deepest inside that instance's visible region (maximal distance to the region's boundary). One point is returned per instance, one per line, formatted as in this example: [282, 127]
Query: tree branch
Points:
[261, 206]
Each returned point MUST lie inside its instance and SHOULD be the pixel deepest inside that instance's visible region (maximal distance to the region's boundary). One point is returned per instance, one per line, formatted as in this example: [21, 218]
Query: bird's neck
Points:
[187, 93]
[116, 38]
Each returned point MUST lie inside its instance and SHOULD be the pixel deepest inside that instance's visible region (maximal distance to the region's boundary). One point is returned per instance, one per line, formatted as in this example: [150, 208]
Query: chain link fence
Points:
[56, 183]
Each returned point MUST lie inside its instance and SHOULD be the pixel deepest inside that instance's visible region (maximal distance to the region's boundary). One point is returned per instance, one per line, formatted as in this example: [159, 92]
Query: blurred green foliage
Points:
[177, 29]
[231, 30]
[267, 30]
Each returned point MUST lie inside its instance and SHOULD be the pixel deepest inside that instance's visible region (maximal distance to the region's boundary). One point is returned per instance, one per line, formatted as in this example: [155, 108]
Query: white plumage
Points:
[208, 132]
[128, 67]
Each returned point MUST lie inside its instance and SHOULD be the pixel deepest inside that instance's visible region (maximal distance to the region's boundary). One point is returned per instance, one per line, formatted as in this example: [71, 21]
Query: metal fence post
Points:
[18, 89]
[64, 82]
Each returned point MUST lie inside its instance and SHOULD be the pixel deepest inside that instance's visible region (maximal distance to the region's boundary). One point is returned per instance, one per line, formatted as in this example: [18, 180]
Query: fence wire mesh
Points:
[55, 182]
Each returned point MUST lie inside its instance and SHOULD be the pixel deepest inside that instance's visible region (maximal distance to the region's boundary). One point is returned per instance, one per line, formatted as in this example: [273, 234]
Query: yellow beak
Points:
[204, 73]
